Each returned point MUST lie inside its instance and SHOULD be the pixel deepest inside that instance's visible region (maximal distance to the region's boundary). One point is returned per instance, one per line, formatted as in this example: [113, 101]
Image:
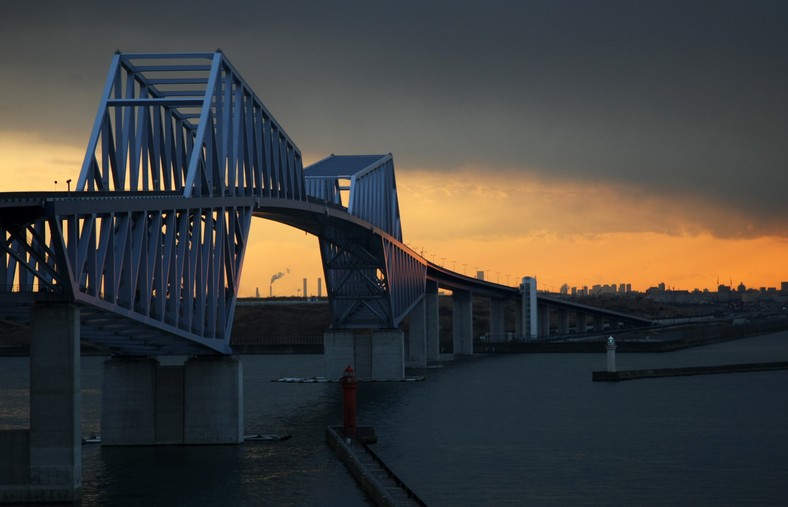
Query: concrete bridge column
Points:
[213, 400]
[463, 322]
[199, 402]
[417, 336]
[432, 324]
[497, 320]
[44, 463]
[599, 323]
[563, 321]
[544, 321]
[581, 325]
[374, 354]
[128, 401]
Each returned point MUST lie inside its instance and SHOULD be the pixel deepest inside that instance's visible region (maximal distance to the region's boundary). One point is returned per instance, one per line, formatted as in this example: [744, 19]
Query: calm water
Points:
[495, 430]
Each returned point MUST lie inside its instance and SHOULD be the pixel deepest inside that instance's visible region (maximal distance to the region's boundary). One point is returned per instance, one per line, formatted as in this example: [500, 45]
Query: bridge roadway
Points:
[130, 336]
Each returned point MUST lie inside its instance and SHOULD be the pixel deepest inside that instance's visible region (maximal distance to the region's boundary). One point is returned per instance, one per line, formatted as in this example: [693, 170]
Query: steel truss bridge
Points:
[150, 243]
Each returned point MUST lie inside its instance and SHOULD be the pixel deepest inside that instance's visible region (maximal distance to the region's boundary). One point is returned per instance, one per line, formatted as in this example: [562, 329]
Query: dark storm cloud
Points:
[675, 97]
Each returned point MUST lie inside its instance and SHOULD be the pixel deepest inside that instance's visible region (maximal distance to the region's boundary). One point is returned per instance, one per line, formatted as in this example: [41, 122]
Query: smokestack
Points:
[305, 293]
[319, 287]
[274, 278]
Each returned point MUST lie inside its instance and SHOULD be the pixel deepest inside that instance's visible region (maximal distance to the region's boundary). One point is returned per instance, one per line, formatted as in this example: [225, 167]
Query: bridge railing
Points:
[187, 123]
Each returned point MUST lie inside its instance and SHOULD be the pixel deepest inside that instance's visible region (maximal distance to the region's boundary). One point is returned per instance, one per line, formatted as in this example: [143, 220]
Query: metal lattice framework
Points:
[370, 183]
[156, 109]
[151, 242]
[372, 283]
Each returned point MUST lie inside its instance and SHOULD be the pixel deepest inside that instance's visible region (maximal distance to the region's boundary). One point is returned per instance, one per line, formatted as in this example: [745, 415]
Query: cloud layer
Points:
[681, 106]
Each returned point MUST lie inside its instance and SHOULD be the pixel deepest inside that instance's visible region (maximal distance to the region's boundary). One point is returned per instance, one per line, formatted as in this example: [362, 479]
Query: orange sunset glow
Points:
[599, 144]
[508, 223]
[522, 227]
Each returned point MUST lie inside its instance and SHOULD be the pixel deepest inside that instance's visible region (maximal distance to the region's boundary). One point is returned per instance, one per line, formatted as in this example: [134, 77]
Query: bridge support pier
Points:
[417, 336]
[377, 354]
[581, 325]
[433, 321]
[44, 463]
[199, 402]
[213, 401]
[497, 320]
[463, 322]
[563, 321]
[543, 321]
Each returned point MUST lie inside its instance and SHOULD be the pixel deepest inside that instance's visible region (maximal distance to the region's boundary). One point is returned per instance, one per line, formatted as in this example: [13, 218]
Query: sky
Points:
[579, 142]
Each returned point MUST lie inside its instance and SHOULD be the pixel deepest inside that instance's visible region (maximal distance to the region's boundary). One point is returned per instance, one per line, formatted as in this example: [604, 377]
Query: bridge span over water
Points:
[150, 243]
[143, 257]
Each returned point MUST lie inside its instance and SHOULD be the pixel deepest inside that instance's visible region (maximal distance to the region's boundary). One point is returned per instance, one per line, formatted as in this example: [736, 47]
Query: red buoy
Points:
[349, 402]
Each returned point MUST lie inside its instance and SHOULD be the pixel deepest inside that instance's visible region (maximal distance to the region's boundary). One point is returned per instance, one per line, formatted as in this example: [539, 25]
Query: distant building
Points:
[750, 296]
[528, 290]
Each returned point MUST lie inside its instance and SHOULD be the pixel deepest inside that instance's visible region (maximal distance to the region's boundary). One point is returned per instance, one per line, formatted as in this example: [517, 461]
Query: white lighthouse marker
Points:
[611, 354]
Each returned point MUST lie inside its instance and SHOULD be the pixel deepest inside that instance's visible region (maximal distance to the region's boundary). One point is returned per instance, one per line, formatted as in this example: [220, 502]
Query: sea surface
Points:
[523, 429]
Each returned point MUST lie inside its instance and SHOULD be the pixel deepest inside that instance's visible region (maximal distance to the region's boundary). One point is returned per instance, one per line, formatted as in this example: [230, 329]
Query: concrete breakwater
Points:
[615, 376]
[377, 480]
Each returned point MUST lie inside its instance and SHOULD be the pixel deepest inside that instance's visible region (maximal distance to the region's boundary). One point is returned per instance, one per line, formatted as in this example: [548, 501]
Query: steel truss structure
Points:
[372, 282]
[151, 243]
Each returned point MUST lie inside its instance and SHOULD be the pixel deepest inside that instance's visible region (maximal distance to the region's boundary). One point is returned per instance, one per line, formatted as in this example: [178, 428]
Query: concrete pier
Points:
[199, 402]
[432, 321]
[44, 463]
[417, 336]
[463, 322]
[543, 322]
[213, 401]
[374, 477]
[374, 354]
[497, 320]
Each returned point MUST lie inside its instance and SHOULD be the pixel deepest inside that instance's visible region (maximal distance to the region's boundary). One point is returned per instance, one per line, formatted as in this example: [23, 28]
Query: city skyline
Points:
[577, 143]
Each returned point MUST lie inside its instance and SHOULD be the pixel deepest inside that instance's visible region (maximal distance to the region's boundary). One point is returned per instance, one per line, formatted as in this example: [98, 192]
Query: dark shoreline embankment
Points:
[653, 339]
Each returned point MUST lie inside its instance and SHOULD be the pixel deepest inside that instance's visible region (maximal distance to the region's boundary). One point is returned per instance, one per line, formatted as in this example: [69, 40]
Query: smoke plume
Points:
[278, 275]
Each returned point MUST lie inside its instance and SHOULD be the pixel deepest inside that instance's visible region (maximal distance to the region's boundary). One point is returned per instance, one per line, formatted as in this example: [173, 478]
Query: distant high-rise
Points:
[319, 287]
[480, 275]
[305, 293]
[528, 289]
